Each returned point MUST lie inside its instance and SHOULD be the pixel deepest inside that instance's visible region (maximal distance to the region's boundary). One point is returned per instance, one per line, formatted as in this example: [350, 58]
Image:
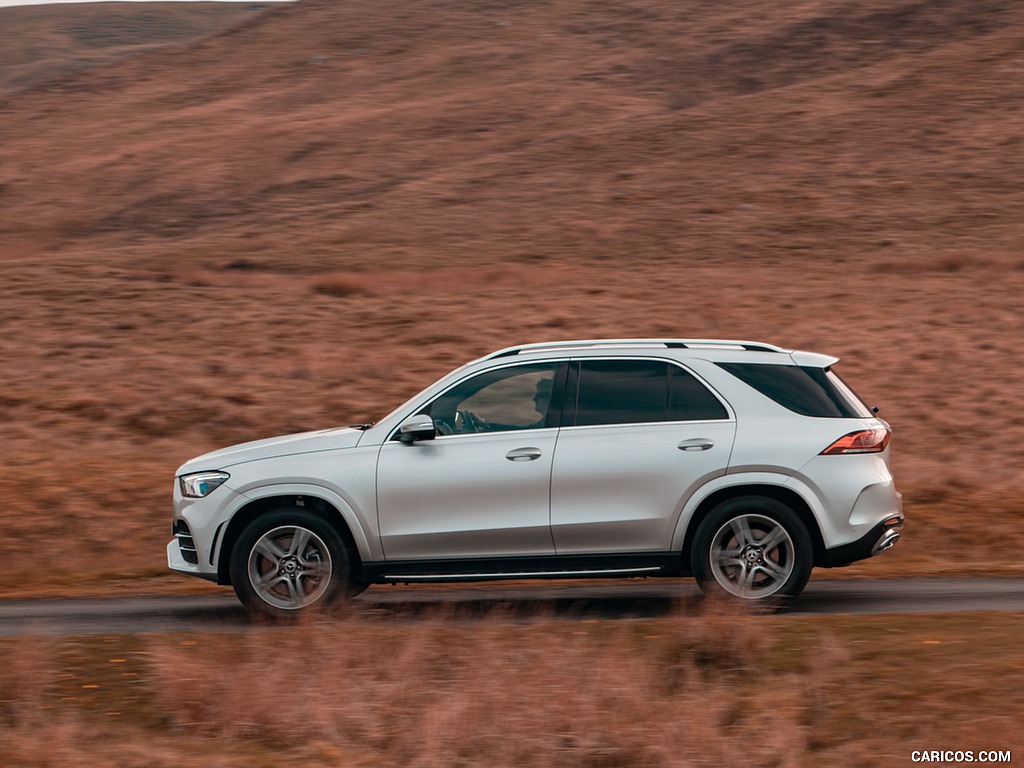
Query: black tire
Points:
[290, 562]
[754, 548]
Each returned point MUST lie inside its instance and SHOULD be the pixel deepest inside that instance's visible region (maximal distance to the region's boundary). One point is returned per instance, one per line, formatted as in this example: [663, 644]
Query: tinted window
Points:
[632, 391]
[804, 390]
[496, 401]
[689, 400]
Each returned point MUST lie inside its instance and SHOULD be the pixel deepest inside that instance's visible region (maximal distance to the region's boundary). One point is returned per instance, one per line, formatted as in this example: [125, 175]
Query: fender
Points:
[740, 480]
[356, 522]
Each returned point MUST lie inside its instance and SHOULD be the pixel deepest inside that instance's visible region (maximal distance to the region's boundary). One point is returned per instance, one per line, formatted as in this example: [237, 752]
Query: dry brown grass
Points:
[38, 44]
[22, 686]
[718, 688]
[302, 221]
[442, 693]
[341, 286]
[436, 695]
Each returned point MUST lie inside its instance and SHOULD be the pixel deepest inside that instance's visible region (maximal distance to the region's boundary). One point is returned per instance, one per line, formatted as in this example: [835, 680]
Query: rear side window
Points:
[637, 391]
[804, 390]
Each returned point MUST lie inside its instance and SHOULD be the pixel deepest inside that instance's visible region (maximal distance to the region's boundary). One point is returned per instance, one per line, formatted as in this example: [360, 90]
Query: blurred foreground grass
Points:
[716, 689]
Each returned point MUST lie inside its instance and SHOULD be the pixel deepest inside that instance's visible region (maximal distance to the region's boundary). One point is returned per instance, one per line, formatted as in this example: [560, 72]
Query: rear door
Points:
[638, 437]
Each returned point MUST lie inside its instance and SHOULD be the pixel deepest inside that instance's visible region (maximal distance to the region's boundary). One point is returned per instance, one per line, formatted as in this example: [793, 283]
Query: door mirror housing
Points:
[416, 428]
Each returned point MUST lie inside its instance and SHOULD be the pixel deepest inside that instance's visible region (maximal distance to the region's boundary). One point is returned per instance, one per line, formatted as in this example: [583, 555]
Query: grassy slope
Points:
[225, 239]
[40, 43]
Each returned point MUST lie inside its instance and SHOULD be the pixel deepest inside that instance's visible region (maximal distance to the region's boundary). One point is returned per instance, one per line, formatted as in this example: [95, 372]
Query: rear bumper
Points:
[880, 538]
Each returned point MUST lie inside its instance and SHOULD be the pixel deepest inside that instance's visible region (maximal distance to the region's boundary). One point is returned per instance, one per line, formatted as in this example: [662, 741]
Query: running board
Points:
[523, 574]
[639, 564]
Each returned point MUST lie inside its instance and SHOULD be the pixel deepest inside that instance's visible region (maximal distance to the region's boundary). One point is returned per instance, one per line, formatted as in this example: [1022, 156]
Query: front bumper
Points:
[197, 525]
[177, 562]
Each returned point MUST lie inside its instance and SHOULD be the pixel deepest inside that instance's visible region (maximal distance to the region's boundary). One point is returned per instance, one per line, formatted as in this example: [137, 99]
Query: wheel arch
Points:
[779, 493]
[310, 501]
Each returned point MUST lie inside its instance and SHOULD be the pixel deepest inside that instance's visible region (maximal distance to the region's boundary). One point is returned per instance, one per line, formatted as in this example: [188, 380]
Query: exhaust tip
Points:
[889, 538]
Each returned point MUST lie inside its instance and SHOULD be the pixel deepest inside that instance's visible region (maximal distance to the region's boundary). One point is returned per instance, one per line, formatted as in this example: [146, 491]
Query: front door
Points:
[482, 486]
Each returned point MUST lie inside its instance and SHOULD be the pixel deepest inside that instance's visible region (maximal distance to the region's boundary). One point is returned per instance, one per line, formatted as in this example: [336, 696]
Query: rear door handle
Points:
[696, 444]
[523, 454]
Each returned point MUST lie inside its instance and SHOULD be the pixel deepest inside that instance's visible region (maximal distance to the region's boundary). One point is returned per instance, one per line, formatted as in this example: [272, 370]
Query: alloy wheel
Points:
[752, 556]
[290, 567]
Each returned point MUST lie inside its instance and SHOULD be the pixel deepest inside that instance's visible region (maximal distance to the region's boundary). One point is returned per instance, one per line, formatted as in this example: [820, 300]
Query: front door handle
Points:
[696, 444]
[523, 454]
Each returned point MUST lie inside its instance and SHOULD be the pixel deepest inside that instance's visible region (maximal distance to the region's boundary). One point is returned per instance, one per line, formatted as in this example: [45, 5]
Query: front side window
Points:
[497, 401]
[637, 391]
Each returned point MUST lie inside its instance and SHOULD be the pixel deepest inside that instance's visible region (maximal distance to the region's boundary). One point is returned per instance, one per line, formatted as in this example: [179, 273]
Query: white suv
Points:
[740, 463]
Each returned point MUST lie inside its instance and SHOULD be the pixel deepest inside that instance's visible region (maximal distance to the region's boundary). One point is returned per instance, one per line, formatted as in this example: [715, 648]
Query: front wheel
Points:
[288, 562]
[755, 548]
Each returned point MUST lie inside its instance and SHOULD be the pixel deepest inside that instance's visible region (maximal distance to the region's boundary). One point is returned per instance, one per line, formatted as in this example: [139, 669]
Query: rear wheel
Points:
[755, 548]
[289, 562]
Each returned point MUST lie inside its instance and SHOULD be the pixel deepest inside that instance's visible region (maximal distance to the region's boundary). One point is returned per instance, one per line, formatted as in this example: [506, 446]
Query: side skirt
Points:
[539, 567]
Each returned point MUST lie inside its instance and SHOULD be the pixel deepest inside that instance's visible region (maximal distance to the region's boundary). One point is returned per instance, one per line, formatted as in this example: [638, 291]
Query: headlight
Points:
[200, 484]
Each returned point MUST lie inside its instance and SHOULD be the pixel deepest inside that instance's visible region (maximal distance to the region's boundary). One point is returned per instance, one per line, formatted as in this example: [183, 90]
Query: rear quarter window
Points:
[808, 391]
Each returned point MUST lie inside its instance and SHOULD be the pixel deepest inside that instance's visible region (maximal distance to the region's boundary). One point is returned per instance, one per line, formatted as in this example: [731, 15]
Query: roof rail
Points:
[751, 346]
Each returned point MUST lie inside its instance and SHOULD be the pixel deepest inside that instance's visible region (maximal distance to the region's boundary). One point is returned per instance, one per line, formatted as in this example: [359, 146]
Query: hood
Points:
[286, 445]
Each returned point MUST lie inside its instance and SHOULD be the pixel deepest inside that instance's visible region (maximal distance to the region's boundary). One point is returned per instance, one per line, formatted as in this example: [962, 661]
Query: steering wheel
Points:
[462, 422]
[467, 421]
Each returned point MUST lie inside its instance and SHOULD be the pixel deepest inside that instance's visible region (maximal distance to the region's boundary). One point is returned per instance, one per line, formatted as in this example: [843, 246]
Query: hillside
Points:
[41, 42]
[300, 220]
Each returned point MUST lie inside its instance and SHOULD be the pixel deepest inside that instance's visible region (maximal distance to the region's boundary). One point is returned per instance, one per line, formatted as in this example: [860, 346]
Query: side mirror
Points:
[418, 427]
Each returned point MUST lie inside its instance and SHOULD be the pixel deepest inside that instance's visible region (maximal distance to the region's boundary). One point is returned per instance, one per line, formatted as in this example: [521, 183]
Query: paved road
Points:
[564, 600]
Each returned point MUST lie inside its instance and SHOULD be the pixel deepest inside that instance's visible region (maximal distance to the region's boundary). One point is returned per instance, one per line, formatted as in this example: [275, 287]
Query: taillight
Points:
[863, 441]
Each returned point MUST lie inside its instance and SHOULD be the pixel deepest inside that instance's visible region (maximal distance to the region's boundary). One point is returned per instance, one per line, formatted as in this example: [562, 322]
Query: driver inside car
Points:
[494, 407]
